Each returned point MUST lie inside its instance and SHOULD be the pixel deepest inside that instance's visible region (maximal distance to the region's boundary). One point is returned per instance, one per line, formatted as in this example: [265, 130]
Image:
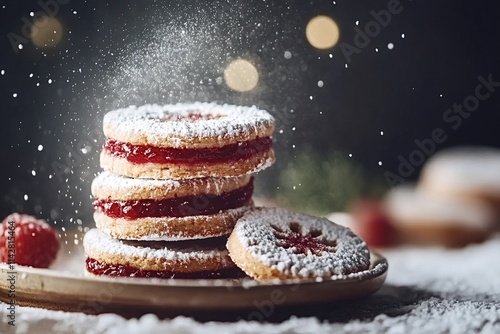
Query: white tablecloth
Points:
[427, 291]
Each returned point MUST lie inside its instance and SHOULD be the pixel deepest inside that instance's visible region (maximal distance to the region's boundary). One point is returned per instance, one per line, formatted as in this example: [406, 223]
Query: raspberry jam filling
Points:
[204, 204]
[160, 155]
[119, 270]
[305, 244]
[311, 242]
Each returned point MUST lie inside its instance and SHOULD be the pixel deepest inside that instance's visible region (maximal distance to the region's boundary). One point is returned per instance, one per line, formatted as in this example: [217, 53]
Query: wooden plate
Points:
[66, 287]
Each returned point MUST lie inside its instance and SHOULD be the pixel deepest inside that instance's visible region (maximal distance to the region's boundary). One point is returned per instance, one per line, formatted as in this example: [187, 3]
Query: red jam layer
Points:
[308, 243]
[119, 270]
[160, 155]
[305, 244]
[205, 204]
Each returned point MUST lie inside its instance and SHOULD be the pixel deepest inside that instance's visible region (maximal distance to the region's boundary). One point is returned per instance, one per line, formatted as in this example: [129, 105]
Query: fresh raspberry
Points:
[373, 223]
[31, 241]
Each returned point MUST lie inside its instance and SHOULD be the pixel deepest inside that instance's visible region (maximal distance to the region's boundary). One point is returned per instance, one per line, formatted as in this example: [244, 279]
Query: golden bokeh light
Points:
[241, 75]
[322, 32]
[46, 32]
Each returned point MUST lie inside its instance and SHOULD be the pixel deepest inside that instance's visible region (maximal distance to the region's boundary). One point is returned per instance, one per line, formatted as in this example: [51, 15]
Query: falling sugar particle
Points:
[281, 131]
[330, 55]
[33, 172]
[350, 155]
[357, 23]
[75, 12]
[31, 75]
[293, 146]
[345, 65]
[320, 83]
[310, 97]
[2, 72]
[287, 55]
[14, 95]
[32, 14]
[440, 95]
[40, 148]
[293, 129]
[380, 163]
[49, 81]
[402, 35]
[25, 197]
[390, 46]
[381, 133]
[376, 49]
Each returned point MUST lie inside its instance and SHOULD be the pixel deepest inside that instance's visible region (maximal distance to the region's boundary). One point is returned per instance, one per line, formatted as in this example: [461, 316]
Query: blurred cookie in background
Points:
[420, 217]
[464, 172]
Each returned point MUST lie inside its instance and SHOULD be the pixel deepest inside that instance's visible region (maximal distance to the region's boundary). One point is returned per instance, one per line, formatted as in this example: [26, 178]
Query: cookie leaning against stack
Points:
[274, 243]
[174, 172]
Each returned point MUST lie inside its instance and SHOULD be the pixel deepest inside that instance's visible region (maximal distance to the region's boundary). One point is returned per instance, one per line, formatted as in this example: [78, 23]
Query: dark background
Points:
[118, 53]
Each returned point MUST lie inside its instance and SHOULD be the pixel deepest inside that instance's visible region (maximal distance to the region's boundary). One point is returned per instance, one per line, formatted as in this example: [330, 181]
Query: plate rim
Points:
[59, 290]
[376, 260]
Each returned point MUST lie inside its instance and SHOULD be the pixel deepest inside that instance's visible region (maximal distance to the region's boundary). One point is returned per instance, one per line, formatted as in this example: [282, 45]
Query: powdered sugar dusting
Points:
[219, 123]
[96, 241]
[107, 183]
[168, 235]
[115, 182]
[259, 232]
[460, 274]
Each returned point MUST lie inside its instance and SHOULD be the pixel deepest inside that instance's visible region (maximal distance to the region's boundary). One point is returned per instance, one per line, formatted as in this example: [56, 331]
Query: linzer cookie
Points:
[147, 209]
[425, 218]
[269, 243]
[182, 259]
[187, 141]
[464, 172]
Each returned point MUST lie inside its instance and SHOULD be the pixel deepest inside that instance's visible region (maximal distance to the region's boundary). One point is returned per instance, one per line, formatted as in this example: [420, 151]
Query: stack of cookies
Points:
[176, 179]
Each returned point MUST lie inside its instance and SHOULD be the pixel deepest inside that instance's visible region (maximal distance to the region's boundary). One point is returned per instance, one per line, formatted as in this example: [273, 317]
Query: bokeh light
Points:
[46, 32]
[241, 75]
[322, 32]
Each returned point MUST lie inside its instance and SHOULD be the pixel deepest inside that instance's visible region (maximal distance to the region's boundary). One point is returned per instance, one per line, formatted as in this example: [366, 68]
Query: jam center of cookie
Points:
[192, 117]
[303, 244]
[164, 155]
[204, 204]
